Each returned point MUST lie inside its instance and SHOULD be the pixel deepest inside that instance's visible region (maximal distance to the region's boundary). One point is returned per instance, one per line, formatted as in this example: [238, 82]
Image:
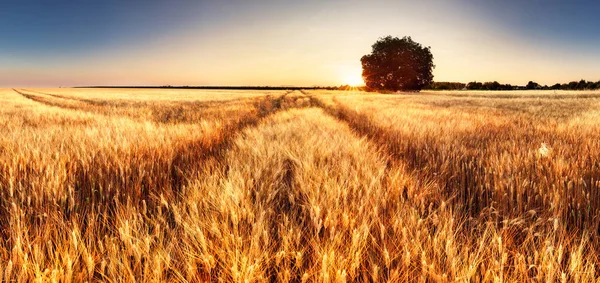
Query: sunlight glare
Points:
[354, 79]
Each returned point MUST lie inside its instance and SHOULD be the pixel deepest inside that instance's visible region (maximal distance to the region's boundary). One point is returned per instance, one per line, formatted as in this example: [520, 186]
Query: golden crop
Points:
[245, 186]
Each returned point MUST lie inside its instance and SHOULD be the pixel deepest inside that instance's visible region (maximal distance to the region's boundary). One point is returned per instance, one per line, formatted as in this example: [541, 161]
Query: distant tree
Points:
[491, 85]
[446, 86]
[532, 85]
[398, 64]
[474, 86]
[507, 87]
[581, 85]
[574, 85]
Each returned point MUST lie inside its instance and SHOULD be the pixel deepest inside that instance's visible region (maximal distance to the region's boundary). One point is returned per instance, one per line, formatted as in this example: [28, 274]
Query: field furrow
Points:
[161, 112]
[483, 163]
[299, 204]
[473, 158]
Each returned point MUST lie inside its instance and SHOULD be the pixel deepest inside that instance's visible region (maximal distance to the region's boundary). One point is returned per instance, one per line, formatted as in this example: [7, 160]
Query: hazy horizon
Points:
[278, 43]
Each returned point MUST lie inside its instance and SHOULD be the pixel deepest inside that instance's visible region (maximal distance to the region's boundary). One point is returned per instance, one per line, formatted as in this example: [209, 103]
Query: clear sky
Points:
[283, 42]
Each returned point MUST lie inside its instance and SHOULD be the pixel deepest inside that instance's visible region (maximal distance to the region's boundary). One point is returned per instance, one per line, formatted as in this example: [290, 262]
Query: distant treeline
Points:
[574, 85]
[220, 87]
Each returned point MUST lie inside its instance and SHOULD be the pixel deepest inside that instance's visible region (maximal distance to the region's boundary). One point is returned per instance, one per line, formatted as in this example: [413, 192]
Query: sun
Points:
[354, 79]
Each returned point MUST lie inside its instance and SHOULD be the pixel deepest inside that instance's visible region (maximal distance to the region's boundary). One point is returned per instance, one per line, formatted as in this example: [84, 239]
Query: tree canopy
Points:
[398, 64]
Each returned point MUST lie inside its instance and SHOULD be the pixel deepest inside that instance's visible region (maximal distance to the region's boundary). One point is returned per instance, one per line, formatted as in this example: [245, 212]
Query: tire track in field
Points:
[409, 161]
[215, 153]
[130, 103]
[149, 173]
[83, 100]
[165, 113]
[45, 101]
[469, 198]
[397, 155]
[281, 190]
[458, 181]
[278, 193]
[361, 124]
[166, 174]
[108, 107]
[103, 182]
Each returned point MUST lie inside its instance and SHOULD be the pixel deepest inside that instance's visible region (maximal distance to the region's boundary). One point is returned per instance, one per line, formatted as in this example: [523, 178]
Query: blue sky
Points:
[564, 23]
[67, 43]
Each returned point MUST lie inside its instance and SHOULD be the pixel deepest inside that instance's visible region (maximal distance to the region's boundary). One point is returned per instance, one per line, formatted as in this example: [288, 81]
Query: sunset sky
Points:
[302, 43]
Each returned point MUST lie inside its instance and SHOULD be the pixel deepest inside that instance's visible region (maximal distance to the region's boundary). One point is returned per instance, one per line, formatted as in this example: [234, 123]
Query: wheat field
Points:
[154, 185]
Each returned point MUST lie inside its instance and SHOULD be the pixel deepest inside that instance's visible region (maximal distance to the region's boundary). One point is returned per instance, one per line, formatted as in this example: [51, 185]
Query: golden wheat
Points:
[246, 186]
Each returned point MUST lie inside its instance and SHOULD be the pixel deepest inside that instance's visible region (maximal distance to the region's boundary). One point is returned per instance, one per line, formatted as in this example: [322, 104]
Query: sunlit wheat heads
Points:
[304, 186]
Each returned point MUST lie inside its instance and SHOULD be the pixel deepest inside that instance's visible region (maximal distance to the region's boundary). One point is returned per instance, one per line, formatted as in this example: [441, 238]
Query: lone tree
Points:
[398, 64]
[532, 85]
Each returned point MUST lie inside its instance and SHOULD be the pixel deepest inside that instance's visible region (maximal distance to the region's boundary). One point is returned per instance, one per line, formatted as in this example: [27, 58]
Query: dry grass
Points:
[154, 185]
